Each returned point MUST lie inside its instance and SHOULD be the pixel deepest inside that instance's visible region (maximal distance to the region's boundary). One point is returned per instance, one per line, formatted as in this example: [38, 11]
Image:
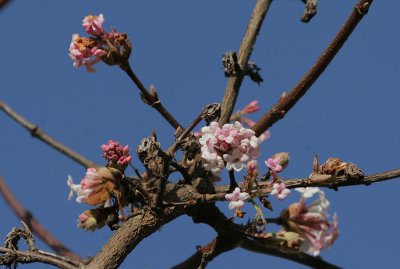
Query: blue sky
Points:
[351, 111]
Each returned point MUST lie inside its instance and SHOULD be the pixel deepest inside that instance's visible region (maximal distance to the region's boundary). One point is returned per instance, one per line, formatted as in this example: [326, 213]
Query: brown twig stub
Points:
[151, 98]
[310, 10]
[289, 100]
[33, 224]
[41, 135]
[246, 48]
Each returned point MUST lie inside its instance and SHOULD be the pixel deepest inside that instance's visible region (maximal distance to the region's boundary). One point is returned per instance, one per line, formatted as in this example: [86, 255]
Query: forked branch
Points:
[286, 102]
[151, 99]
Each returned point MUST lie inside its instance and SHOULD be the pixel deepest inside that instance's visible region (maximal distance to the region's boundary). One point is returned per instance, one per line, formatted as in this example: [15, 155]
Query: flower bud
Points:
[91, 220]
[251, 107]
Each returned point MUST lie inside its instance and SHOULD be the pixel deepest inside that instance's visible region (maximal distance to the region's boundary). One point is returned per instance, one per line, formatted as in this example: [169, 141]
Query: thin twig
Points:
[291, 184]
[33, 224]
[246, 48]
[305, 182]
[286, 102]
[342, 181]
[150, 99]
[40, 134]
[32, 257]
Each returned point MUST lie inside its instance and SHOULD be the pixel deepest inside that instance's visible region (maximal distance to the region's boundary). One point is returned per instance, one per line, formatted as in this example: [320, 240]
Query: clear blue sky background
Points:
[351, 112]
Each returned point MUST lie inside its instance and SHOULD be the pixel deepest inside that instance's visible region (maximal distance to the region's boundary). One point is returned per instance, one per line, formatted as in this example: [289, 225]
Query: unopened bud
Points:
[91, 220]
[153, 92]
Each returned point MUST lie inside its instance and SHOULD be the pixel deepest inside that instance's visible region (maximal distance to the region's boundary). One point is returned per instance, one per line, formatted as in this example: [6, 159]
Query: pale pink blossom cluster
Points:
[232, 144]
[87, 186]
[115, 153]
[279, 190]
[236, 198]
[86, 51]
[311, 222]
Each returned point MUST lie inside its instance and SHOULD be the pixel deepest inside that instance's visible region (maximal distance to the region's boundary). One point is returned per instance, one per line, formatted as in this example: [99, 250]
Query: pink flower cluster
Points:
[311, 222]
[236, 198]
[86, 51]
[232, 144]
[115, 153]
[87, 186]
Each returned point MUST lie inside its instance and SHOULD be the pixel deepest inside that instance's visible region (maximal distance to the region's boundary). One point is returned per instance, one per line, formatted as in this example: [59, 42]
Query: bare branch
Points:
[33, 224]
[40, 134]
[286, 102]
[246, 48]
[139, 226]
[305, 182]
[10, 256]
[237, 237]
[151, 99]
[3, 3]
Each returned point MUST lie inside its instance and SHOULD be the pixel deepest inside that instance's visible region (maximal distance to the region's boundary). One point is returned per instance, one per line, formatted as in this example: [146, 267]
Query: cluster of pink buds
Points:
[232, 144]
[251, 108]
[116, 154]
[88, 185]
[112, 48]
[311, 222]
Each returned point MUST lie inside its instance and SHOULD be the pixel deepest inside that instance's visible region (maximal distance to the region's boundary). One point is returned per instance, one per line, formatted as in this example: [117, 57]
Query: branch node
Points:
[34, 131]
